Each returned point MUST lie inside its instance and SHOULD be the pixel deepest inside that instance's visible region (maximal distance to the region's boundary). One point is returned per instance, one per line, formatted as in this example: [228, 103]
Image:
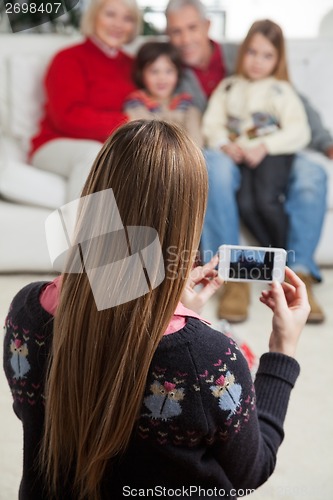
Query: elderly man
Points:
[206, 63]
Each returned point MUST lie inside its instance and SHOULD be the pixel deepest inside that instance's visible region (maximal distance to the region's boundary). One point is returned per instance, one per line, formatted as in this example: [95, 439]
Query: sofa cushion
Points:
[28, 185]
[11, 149]
[312, 75]
[24, 246]
[23, 61]
[26, 95]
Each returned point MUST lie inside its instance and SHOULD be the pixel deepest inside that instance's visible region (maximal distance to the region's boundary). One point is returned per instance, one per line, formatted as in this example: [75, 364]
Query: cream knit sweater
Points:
[251, 112]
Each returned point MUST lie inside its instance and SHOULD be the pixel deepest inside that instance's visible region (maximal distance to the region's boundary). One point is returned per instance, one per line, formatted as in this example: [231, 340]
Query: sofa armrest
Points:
[27, 185]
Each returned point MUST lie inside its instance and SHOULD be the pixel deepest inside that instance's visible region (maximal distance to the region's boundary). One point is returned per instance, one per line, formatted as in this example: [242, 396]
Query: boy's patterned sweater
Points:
[202, 424]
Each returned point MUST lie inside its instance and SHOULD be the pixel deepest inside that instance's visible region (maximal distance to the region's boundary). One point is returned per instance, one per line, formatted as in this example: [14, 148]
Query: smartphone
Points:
[249, 263]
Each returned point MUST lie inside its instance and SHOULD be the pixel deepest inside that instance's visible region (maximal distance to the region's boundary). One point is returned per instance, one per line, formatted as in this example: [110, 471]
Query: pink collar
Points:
[179, 318]
[50, 296]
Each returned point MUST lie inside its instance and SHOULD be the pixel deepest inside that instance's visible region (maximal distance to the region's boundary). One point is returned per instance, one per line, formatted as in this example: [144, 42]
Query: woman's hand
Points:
[290, 305]
[255, 155]
[201, 275]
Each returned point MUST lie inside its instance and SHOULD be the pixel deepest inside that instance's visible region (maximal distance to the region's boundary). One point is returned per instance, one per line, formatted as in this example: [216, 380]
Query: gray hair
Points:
[176, 5]
[89, 17]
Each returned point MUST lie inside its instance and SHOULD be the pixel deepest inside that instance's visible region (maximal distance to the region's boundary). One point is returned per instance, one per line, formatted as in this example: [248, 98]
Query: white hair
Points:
[88, 20]
[176, 5]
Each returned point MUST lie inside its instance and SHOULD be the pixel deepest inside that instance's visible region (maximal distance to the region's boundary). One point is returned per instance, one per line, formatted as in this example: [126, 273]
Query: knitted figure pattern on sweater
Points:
[177, 392]
[25, 381]
[180, 110]
[264, 111]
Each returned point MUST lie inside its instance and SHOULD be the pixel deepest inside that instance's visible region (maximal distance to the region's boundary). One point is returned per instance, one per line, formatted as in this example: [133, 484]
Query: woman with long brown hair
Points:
[144, 394]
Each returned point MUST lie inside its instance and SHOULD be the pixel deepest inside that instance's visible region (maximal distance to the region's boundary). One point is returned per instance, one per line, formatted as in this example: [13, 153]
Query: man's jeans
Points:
[305, 204]
[306, 207]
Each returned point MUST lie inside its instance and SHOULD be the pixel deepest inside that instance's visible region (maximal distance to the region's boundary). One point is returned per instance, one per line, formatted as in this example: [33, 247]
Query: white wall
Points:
[298, 18]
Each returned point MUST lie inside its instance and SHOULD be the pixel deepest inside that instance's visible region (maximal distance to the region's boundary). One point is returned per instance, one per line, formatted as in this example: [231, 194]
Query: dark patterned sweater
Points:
[204, 428]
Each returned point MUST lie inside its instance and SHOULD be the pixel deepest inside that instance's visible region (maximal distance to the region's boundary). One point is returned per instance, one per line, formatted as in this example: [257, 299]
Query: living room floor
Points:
[305, 460]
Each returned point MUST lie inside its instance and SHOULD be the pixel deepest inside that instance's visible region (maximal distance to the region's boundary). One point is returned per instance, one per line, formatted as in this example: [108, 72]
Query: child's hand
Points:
[201, 275]
[254, 156]
[234, 151]
[290, 305]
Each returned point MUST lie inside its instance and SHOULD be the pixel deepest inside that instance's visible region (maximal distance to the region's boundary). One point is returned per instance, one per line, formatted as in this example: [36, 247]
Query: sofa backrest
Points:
[311, 71]
[24, 59]
[23, 62]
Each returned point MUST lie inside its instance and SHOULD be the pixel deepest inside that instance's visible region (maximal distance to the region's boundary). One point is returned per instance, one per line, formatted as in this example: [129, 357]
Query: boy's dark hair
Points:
[148, 53]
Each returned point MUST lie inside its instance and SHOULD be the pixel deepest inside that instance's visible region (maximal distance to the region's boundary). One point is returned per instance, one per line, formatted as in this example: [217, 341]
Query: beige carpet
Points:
[305, 460]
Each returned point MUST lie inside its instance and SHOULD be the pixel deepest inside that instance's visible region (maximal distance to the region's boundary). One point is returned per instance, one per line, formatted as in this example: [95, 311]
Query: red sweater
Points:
[85, 93]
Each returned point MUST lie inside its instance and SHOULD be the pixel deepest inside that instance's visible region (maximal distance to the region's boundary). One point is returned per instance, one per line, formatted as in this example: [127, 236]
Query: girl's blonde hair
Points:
[100, 359]
[88, 20]
[274, 34]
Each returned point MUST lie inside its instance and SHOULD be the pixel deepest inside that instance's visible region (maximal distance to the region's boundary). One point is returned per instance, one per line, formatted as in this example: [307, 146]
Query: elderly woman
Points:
[86, 86]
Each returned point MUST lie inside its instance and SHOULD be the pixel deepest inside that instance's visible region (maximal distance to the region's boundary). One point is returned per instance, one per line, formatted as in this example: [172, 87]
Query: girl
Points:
[257, 119]
[145, 394]
[157, 72]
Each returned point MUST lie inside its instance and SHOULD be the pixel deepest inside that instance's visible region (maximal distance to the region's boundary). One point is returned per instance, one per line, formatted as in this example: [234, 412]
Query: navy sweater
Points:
[204, 427]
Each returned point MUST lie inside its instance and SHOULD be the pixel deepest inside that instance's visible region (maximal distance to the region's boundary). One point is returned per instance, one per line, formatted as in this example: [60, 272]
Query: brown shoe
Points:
[316, 313]
[234, 302]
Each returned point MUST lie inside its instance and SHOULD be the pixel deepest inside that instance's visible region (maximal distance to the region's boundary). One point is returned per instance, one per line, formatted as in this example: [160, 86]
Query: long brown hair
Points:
[274, 34]
[100, 358]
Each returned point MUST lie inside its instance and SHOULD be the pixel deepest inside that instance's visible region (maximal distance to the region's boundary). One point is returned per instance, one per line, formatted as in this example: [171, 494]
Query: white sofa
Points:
[28, 195]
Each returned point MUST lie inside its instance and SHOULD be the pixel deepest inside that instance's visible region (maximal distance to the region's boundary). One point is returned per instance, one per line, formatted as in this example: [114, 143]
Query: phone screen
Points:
[251, 264]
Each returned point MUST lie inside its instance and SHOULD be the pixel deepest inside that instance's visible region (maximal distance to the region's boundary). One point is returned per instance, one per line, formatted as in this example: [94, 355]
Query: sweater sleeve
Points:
[214, 123]
[26, 346]
[294, 132]
[321, 139]
[229, 52]
[190, 85]
[247, 421]
[68, 111]
[138, 112]
[255, 446]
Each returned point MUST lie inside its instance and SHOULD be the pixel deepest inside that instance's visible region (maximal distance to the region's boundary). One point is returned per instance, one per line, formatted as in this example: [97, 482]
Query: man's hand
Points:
[234, 151]
[254, 156]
